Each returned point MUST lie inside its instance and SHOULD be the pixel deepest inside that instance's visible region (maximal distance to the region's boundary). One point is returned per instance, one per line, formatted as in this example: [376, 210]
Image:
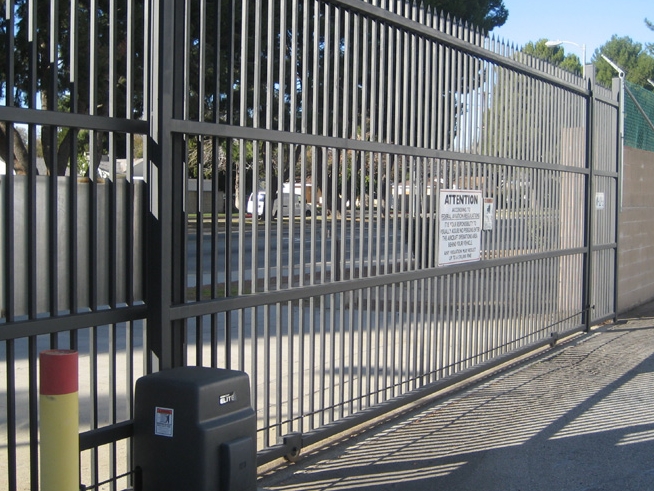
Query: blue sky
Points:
[581, 21]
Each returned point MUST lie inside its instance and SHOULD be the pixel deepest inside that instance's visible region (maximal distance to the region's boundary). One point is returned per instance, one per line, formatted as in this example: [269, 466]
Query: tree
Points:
[484, 14]
[40, 81]
[50, 83]
[521, 111]
[554, 55]
[650, 46]
[293, 91]
[637, 64]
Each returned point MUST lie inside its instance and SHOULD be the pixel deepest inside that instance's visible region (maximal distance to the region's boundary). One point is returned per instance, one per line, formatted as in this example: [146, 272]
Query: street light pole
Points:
[551, 44]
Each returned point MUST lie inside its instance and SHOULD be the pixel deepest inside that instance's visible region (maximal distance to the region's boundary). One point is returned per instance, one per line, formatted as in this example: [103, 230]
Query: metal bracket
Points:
[621, 72]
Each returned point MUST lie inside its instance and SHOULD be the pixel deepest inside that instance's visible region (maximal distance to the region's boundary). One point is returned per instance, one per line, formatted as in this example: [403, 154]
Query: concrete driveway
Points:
[578, 417]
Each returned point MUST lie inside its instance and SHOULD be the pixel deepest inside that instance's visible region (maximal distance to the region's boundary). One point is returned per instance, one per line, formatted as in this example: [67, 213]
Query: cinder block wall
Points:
[636, 229]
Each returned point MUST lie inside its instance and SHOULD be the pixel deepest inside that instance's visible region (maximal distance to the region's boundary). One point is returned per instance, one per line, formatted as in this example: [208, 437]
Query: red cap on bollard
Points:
[58, 372]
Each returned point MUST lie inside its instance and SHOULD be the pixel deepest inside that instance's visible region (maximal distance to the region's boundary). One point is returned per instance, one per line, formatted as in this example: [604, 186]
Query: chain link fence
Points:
[639, 117]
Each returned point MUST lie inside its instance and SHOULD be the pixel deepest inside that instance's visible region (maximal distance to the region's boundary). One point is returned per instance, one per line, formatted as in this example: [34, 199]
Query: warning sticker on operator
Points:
[163, 421]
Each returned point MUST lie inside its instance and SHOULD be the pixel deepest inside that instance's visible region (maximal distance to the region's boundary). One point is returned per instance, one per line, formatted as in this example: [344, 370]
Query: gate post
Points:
[590, 214]
[166, 237]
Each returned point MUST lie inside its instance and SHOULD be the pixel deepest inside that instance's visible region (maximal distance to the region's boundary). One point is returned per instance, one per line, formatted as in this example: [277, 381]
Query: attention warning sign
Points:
[460, 223]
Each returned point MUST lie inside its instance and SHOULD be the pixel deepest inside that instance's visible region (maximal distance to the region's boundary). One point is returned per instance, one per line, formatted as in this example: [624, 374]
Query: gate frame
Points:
[165, 310]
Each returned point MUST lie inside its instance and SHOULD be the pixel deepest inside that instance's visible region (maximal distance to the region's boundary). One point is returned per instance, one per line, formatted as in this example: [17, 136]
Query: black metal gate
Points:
[260, 185]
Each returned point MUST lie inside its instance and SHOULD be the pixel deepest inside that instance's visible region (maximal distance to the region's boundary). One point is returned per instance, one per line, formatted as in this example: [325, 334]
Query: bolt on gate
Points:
[264, 185]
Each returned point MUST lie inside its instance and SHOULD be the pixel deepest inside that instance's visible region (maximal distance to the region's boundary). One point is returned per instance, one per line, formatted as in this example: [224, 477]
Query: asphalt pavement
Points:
[576, 417]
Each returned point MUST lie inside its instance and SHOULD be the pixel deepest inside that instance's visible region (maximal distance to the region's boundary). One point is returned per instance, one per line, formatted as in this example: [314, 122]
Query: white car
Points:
[260, 199]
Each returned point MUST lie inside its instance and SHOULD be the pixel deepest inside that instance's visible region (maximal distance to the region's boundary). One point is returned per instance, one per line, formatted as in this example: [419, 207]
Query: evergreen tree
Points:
[484, 14]
[554, 55]
[635, 60]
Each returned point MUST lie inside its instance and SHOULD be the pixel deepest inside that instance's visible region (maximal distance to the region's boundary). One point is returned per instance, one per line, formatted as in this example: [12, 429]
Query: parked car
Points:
[260, 199]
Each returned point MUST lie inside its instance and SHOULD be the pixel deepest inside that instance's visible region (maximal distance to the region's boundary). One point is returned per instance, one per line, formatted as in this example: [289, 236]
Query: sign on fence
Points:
[460, 222]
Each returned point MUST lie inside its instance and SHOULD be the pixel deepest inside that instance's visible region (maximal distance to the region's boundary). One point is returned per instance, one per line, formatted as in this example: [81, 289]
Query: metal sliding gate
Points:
[259, 185]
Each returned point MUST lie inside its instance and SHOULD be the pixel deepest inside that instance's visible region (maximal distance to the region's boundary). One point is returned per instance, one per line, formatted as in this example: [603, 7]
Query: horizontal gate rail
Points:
[222, 305]
[71, 120]
[219, 130]
[65, 323]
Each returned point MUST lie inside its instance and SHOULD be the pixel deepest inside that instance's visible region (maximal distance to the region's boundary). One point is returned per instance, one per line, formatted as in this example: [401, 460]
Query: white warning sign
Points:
[460, 224]
[599, 201]
[163, 421]
[489, 213]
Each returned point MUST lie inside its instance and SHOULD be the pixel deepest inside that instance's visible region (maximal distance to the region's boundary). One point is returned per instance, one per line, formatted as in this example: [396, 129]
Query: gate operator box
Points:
[194, 430]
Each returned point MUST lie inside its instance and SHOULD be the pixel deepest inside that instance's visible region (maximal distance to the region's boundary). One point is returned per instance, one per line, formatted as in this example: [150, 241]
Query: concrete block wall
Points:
[636, 231]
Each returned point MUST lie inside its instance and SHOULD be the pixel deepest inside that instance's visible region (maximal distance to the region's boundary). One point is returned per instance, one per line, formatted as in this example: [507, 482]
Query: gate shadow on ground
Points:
[580, 418]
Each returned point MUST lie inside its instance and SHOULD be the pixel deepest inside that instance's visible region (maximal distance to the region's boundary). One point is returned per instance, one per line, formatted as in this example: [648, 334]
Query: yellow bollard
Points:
[59, 420]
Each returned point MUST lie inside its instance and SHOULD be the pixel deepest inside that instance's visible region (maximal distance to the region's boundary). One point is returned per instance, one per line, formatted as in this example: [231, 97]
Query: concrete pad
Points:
[579, 417]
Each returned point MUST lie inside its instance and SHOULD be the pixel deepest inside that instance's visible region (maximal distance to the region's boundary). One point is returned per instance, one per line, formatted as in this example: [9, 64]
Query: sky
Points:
[584, 22]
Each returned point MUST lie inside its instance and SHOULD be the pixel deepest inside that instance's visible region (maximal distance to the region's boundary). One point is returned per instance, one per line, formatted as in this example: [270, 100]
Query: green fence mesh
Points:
[637, 130]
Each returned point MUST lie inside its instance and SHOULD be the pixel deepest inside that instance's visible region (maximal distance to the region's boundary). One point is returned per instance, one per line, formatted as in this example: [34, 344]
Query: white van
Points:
[300, 208]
